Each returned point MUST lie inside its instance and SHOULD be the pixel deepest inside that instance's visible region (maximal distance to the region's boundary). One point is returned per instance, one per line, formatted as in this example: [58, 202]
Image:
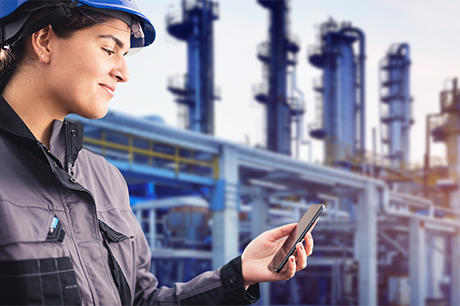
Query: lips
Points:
[110, 90]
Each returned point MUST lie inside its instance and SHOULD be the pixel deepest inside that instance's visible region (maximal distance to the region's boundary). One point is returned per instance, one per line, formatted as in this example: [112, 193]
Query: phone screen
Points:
[296, 236]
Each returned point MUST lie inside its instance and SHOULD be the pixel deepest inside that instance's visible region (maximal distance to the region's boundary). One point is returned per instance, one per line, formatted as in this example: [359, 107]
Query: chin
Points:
[94, 114]
[100, 115]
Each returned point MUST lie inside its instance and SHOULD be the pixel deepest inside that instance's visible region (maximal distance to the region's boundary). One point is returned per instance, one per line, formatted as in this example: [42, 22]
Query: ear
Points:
[41, 43]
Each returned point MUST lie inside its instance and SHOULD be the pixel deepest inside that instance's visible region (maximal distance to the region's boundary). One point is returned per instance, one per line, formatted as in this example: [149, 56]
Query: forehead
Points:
[111, 28]
[116, 24]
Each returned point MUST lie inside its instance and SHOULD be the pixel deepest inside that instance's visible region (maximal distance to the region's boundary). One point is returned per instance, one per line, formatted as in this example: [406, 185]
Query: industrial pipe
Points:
[427, 154]
[405, 47]
[362, 91]
[299, 133]
[385, 210]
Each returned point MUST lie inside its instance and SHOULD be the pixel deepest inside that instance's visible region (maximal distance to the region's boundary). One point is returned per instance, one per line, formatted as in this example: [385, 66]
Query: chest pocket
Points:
[23, 224]
[113, 240]
[34, 267]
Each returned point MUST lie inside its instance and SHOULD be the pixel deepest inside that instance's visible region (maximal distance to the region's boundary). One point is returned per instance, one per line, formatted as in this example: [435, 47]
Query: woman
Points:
[67, 233]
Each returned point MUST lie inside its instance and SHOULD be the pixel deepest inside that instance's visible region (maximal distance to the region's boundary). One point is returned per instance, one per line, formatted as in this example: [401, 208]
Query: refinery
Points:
[390, 232]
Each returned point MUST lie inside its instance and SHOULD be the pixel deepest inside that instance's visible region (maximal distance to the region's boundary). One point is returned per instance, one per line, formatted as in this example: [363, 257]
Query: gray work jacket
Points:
[69, 237]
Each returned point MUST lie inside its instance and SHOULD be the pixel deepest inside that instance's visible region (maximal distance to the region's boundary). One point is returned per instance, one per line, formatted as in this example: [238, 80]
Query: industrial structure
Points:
[195, 91]
[341, 89]
[200, 200]
[279, 56]
[340, 98]
[360, 258]
[396, 102]
[445, 128]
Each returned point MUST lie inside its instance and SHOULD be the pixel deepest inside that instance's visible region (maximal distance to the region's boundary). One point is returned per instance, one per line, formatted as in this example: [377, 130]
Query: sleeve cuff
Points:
[231, 277]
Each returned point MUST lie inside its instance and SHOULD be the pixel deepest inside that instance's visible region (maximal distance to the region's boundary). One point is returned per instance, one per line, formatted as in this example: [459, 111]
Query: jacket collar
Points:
[11, 123]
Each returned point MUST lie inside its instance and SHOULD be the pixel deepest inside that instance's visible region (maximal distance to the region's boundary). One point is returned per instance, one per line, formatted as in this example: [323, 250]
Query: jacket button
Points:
[72, 180]
[232, 280]
[73, 133]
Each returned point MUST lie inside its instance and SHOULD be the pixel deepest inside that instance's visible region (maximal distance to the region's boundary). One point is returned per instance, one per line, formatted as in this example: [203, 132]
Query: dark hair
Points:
[12, 57]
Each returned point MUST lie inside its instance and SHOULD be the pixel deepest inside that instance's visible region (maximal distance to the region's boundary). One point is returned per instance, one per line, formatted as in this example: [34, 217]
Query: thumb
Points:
[280, 232]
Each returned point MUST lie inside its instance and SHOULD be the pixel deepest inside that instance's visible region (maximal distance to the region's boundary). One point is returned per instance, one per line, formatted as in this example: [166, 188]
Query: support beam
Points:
[259, 213]
[225, 221]
[417, 262]
[366, 234]
[259, 224]
[455, 274]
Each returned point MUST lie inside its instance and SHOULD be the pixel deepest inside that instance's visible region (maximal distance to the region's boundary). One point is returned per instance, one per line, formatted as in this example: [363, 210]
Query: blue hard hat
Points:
[13, 16]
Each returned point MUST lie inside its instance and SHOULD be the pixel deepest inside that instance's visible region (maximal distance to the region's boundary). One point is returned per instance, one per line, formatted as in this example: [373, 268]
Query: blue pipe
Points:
[400, 50]
[362, 91]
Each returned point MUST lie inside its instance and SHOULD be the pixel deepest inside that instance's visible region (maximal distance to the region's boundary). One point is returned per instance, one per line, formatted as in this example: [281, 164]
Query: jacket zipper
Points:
[47, 153]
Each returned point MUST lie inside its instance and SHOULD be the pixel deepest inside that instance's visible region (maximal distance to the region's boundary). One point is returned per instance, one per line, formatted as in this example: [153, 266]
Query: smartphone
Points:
[296, 236]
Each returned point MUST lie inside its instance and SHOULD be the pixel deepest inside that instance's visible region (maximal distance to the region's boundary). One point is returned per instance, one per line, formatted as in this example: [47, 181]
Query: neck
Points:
[25, 96]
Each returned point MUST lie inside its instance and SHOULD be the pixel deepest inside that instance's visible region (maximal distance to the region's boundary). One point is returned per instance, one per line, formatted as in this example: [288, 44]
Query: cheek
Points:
[82, 80]
[81, 66]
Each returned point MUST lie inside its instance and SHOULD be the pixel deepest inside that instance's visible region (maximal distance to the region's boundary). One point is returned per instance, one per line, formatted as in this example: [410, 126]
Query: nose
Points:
[121, 71]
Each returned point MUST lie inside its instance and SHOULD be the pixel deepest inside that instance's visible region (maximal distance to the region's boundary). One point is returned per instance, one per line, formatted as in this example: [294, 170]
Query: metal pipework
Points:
[362, 90]
[405, 47]
[427, 154]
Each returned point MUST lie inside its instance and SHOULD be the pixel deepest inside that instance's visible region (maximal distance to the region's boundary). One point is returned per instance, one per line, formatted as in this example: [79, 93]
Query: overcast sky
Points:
[430, 27]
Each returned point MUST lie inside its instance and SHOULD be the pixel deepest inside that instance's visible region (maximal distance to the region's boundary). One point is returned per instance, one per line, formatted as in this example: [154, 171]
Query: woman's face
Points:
[84, 70]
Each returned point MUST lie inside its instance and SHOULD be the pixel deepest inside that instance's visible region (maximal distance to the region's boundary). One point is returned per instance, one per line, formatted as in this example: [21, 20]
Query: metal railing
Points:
[179, 83]
[260, 89]
[448, 103]
[314, 50]
[263, 50]
[387, 115]
[155, 154]
[193, 4]
[296, 104]
[178, 16]
[316, 125]
[318, 83]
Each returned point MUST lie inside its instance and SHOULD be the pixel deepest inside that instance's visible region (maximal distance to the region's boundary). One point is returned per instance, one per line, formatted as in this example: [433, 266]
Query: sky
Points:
[430, 27]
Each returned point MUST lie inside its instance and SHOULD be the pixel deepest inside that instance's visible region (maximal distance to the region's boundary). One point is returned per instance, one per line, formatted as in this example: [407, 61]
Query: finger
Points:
[301, 257]
[312, 227]
[291, 268]
[308, 244]
[280, 232]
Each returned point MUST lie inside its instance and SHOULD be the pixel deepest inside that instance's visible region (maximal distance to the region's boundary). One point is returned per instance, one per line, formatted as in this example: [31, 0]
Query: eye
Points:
[109, 52]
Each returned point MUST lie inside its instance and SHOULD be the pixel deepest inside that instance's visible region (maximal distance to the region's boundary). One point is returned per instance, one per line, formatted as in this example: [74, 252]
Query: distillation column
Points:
[340, 112]
[278, 56]
[341, 121]
[447, 130]
[396, 115]
[195, 90]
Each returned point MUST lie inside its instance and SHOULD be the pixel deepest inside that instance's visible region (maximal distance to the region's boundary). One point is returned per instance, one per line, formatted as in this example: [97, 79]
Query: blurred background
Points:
[244, 112]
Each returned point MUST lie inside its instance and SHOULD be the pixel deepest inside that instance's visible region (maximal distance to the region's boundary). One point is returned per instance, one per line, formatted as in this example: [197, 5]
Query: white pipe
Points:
[386, 210]
[335, 205]
[300, 118]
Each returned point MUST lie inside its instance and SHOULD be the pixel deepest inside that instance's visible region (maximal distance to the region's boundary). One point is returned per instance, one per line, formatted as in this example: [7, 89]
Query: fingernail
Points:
[301, 247]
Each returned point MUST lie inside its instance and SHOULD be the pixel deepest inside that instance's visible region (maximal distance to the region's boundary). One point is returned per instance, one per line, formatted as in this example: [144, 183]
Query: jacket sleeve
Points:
[223, 286]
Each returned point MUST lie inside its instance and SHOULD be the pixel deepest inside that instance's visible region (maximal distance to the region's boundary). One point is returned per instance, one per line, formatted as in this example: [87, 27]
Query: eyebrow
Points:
[116, 40]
